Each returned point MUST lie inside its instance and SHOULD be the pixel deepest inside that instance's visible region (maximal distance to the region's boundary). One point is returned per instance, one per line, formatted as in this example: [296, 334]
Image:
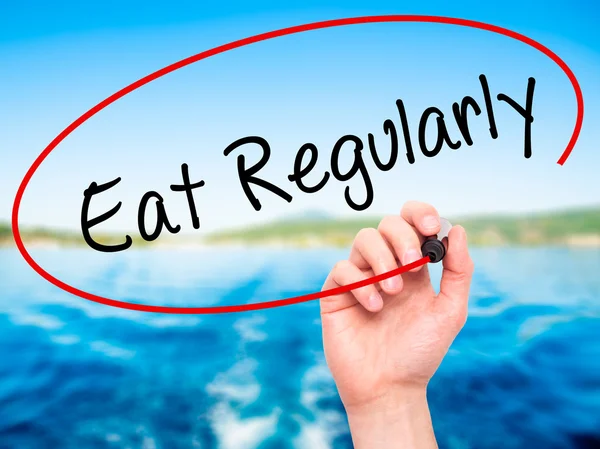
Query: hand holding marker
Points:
[384, 341]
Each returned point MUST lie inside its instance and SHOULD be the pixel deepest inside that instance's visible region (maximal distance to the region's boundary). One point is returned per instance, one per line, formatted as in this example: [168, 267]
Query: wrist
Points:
[394, 401]
[399, 418]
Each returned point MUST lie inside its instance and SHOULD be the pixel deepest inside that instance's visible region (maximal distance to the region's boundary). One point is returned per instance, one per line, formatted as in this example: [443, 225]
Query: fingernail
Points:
[375, 302]
[430, 222]
[410, 256]
[393, 283]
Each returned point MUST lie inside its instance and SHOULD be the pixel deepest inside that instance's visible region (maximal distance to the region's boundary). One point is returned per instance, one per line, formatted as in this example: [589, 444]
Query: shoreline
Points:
[573, 242]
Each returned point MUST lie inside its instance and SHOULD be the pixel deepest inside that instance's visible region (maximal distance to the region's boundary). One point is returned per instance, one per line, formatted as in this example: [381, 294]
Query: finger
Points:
[345, 273]
[457, 273]
[403, 238]
[370, 250]
[422, 216]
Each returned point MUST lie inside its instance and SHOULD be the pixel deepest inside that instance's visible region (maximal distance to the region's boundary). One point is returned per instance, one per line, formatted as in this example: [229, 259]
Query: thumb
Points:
[458, 270]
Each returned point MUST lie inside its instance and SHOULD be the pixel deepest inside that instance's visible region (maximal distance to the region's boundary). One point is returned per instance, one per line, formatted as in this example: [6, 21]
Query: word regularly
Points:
[249, 175]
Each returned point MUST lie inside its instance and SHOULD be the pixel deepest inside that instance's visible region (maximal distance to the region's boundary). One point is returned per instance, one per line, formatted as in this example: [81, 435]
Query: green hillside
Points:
[4, 230]
[581, 226]
[576, 227]
[557, 227]
[57, 236]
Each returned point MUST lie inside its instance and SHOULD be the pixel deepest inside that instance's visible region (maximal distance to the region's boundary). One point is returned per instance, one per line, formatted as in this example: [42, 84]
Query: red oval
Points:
[240, 43]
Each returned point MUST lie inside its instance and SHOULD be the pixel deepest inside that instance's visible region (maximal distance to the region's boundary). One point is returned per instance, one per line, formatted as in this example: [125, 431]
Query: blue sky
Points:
[60, 60]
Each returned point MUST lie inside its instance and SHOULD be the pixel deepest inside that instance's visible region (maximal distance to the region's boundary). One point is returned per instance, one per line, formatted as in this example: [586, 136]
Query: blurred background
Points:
[524, 371]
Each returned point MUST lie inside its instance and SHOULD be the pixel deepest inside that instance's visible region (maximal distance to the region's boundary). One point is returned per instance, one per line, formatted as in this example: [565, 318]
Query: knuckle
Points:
[467, 270]
[462, 276]
[385, 223]
[340, 266]
[459, 317]
[470, 267]
[365, 234]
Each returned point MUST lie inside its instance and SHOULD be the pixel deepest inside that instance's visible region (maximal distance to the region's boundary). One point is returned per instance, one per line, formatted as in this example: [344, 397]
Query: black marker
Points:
[435, 247]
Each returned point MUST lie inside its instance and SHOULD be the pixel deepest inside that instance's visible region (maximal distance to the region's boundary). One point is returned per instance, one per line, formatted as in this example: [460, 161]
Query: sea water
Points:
[524, 372]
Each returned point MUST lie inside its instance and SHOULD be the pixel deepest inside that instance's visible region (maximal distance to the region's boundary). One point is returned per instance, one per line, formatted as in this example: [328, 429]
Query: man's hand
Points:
[384, 342]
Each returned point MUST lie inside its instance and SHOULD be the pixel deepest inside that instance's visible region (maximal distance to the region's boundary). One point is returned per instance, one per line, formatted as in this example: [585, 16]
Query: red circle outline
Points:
[240, 43]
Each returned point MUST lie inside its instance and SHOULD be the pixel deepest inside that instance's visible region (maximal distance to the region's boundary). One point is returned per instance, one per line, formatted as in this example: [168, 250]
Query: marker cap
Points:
[434, 247]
